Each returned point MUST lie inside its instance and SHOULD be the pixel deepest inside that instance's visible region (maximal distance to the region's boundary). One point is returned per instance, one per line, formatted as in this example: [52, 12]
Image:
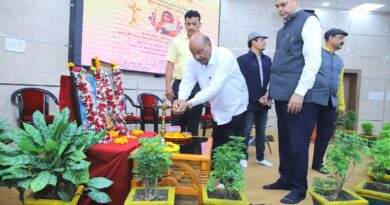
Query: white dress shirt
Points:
[221, 82]
[311, 35]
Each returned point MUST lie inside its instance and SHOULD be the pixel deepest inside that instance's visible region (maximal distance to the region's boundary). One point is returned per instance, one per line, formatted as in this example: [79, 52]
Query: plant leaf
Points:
[40, 182]
[40, 124]
[77, 156]
[26, 145]
[77, 176]
[6, 148]
[99, 197]
[64, 196]
[51, 145]
[17, 160]
[34, 133]
[99, 182]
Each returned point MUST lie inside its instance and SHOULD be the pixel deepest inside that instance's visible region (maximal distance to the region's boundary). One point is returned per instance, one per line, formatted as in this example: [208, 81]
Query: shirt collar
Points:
[292, 17]
[327, 49]
[252, 54]
[213, 58]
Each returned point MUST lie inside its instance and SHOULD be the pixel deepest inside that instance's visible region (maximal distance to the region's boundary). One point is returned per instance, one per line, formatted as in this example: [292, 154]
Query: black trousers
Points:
[235, 127]
[294, 132]
[325, 117]
[189, 121]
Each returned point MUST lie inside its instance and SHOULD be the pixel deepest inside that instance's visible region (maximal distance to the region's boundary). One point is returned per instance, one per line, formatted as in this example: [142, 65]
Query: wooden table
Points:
[190, 169]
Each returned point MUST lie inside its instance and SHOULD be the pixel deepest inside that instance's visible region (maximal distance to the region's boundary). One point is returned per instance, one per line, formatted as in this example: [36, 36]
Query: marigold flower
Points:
[70, 64]
[113, 133]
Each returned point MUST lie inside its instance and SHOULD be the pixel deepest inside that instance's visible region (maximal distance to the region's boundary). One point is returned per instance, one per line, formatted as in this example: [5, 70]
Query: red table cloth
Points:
[111, 161]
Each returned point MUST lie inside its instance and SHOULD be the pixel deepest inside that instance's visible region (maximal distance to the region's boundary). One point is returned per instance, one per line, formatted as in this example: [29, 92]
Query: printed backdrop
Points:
[136, 34]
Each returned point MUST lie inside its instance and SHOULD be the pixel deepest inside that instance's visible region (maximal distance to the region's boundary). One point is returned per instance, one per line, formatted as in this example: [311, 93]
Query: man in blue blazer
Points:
[255, 66]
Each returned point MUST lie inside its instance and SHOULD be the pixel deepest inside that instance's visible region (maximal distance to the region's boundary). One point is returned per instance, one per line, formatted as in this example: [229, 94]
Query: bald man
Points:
[222, 85]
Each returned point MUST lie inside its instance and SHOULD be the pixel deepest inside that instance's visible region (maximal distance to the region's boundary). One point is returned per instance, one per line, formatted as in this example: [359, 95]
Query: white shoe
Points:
[220, 186]
[265, 163]
[244, 163]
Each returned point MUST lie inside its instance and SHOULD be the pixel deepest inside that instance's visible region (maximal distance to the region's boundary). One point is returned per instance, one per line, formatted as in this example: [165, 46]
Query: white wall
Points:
[44, 24]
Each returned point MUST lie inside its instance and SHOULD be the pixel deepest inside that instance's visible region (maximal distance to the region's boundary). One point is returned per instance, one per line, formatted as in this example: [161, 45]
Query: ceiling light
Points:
[325, 4]
[367, 7]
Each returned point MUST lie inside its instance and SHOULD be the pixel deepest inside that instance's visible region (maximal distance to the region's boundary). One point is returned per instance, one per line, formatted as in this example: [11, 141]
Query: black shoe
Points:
[293, 198]
[319, 169]
[270, 138]
[276, 185]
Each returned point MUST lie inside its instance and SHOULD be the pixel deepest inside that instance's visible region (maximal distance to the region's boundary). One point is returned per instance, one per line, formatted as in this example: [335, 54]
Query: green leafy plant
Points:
[380, 164]
[151, 161]
[368, 128]
[4, 133]
[350, 120]
[384, 133]
[50, 160]
[386, 126]
[227, 169]
[342, 154]
[340, 121]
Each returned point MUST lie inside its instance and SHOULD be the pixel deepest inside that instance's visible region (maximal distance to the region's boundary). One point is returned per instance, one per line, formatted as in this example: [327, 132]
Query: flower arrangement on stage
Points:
[107, 98]
[109, 102]
[117, 138]
[171, 147]
[137, 132]
[118, 89]
[86, 97]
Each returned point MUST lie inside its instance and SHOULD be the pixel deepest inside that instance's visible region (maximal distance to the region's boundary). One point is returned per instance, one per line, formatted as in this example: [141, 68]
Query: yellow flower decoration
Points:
[113, 133]
[93, 69]
[177, 135]
[137, 132]
[114, 67]
[171, 147]
[97, 62]
[133, 137]
[70, 64]
[121, 140]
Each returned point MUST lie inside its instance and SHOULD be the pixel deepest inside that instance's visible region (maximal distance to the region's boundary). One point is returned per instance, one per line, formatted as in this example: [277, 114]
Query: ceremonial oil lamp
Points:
[163, 107]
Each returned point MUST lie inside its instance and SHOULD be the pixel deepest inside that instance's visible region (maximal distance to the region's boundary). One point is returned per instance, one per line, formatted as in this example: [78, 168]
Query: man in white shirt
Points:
[296, 62]
[222, 85]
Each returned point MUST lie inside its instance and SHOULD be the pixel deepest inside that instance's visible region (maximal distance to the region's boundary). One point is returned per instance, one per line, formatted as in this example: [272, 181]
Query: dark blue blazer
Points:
[249, 66]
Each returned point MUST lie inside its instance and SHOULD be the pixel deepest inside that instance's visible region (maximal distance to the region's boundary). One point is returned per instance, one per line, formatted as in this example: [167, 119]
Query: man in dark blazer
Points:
[255, 66]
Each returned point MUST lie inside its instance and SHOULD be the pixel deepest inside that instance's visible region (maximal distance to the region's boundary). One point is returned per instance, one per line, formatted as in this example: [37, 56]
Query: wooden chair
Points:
[29, 100]
[149, 110]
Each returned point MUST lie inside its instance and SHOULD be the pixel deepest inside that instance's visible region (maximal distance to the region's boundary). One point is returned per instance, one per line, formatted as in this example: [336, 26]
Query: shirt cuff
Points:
[301, 90]
[341, 107]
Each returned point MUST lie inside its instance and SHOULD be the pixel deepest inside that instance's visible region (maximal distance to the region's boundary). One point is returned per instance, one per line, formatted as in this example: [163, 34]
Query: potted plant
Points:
[227, 174]
[50, 161]
[4, 133]
[368, 132]
[151, 161]
[385, 132]
[342, 154]
[375, 191]
[350, 121]
[386, 126]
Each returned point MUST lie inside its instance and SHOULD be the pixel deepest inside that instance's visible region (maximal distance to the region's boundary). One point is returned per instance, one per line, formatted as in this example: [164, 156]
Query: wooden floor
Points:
[256, 176]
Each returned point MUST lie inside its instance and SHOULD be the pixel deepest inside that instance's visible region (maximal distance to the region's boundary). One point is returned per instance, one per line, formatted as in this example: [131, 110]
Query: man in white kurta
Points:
[222, 85]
